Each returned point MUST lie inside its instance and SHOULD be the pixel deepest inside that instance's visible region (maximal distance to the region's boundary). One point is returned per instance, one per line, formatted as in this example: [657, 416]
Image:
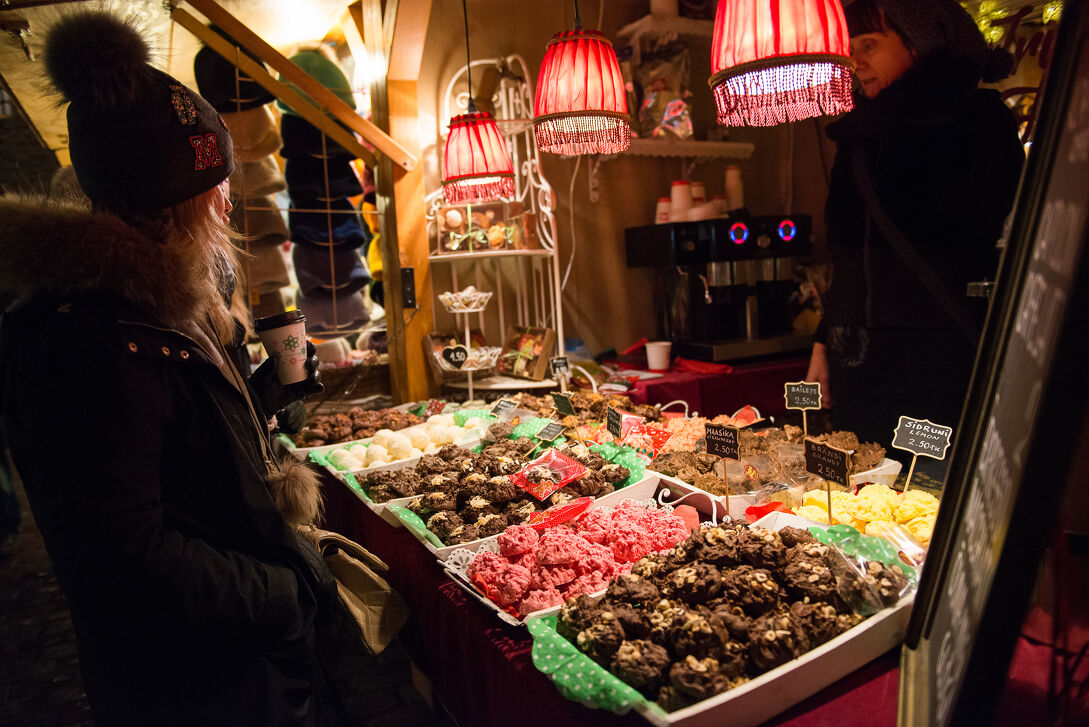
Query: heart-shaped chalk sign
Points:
[456, 356]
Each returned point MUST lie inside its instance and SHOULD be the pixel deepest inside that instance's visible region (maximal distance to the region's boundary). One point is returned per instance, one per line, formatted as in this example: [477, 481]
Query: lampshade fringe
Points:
[471, 191]
[582, 134]
[783, 94]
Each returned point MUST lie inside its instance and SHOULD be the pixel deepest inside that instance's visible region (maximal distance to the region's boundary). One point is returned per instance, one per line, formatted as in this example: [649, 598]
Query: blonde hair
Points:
[195, 230]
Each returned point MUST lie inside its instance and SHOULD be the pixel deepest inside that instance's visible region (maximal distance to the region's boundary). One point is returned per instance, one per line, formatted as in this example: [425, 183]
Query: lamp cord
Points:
[578, 21]
[468, 59]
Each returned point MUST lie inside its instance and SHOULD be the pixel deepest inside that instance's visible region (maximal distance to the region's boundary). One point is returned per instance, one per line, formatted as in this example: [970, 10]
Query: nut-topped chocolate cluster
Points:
[588, 406]
[463, 496]
[725, 605]
[356, 423]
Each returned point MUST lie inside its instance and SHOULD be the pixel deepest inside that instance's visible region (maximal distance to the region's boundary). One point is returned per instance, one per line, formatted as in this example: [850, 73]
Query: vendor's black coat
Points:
[944, 161]
[145, 474]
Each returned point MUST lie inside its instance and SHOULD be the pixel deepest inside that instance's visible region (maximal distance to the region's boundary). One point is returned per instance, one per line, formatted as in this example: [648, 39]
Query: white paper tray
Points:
[779, 689]
[883, 474]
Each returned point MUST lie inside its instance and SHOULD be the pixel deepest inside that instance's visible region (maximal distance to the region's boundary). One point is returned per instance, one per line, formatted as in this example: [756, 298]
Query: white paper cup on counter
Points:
[663, 213]
[721, 208]
[658, 355]
[284, 337]
[680, 200]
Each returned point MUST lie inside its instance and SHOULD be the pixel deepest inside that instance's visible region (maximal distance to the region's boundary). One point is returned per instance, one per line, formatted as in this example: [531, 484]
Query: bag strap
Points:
[328, 542]
[907, 252]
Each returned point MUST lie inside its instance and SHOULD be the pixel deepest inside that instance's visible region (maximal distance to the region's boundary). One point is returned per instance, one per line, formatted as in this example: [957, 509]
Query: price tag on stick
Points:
[828, 463]
[802, 396]
[921, 437]
[550, 432]
[563, 404]
[561, 369]
[723, 442]
[503, 408]
[613, 422]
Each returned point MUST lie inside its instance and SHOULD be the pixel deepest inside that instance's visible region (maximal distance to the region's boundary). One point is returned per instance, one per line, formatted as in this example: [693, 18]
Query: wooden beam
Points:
[322, 97]
[282, 91]
[400, 200]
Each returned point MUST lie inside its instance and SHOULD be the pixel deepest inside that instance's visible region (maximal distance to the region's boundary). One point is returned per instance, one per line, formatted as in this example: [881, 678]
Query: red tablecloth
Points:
[758, 384]
[481, 668]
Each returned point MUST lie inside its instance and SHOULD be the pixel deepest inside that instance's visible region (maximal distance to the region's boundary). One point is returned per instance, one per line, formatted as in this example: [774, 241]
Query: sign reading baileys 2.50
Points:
[826, 461]
[802, 395]
[722, 441]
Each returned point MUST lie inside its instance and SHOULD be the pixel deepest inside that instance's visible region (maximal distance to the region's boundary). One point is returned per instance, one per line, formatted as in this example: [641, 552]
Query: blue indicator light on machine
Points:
[739, 233]
[787, 230]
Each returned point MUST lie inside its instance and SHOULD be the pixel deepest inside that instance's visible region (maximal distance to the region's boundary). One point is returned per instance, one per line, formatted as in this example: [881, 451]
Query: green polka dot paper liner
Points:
[460, 417]
[530, 427]
[413, 522]
[868, 547]
[350, 480]
[575, 675]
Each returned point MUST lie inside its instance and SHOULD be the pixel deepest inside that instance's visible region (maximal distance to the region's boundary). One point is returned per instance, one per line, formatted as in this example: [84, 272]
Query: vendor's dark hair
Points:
[866, 16]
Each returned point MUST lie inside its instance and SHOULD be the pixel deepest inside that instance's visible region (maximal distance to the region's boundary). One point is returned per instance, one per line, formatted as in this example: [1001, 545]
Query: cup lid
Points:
[278, 320]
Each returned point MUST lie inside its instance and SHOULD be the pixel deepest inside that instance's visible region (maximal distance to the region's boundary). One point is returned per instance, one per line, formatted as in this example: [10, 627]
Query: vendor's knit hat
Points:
[934, 25]
[140, 141]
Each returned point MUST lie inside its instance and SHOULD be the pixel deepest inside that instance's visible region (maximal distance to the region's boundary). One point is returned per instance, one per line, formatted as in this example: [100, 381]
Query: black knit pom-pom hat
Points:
[139, 139]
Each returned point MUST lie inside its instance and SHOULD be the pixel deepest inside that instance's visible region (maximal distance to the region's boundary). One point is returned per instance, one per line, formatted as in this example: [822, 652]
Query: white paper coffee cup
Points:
[284, 337]
[658, 355]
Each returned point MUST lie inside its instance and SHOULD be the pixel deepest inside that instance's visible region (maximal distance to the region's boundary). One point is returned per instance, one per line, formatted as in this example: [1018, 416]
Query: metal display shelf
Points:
[455, 256]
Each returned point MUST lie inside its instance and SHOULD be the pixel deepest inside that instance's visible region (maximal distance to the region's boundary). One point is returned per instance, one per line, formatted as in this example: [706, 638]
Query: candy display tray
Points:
[644, 489]
[779, 689]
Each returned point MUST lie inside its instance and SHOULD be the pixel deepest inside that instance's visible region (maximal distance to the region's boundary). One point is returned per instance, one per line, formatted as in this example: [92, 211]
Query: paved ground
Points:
[39, 670]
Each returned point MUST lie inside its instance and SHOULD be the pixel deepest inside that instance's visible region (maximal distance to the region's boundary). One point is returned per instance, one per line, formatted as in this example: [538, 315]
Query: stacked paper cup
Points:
[680, 200]
[663, 212]
[735, 196]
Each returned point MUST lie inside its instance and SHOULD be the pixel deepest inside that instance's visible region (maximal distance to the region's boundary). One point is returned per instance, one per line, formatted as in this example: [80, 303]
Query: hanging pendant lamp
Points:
[476, 166]
[580, 106]
[774, 62]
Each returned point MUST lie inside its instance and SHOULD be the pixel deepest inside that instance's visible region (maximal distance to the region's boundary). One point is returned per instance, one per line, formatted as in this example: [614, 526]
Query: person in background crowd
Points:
[926, 169]
[142, 445]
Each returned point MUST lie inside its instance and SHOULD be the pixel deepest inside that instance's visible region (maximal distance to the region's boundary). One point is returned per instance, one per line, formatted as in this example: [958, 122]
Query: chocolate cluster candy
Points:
[589, 407]
[356, 423]
[723, 606]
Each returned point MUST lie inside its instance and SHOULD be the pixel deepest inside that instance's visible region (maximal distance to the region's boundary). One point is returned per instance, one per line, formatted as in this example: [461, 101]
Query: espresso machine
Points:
[723, 286]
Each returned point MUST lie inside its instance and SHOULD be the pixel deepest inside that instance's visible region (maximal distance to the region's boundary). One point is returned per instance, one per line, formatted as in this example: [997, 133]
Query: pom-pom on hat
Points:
[140, 141]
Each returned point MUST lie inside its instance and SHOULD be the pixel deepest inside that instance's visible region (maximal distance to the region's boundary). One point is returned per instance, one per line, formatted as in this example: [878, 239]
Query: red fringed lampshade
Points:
[580, 106]
[476, 166]
[774, 62]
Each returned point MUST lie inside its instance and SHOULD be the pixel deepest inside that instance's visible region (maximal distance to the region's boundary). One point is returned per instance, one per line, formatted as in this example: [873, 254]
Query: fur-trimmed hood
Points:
[59, 248]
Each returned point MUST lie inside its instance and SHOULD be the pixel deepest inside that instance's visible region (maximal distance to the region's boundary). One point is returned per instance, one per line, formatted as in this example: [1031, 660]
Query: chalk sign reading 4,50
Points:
[922, 436]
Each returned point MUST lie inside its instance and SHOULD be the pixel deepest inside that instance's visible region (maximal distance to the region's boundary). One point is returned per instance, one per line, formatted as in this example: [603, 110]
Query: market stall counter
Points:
[758, 384]
[481, 668]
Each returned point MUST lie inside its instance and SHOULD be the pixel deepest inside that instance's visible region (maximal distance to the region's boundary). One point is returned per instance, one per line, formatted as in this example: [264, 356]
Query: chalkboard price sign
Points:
[456, 356]
[560, 366]
[922, 437]
[563, 404]
[722, 442]
[826, 462]
[613, 422]
[550, 432]
[802, 395]
[504, 407]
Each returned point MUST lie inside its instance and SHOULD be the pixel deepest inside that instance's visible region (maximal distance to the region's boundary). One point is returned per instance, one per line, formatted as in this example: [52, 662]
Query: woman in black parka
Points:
[143, 449]
[928, 158]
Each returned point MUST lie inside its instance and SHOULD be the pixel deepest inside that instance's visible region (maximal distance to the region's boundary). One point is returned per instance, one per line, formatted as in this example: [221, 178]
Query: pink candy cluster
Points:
[532, 571]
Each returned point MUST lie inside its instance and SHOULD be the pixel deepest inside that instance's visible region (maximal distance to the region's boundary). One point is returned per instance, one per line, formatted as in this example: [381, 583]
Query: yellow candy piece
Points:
[922, 528]
[859, 525]
[812, 513]
[879, 527]
[915, 504]
[878, 491]
[870, 508]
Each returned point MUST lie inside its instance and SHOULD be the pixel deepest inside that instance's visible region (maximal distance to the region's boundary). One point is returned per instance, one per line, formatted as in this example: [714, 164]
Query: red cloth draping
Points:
[760, 385]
